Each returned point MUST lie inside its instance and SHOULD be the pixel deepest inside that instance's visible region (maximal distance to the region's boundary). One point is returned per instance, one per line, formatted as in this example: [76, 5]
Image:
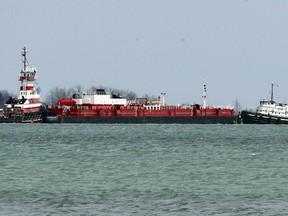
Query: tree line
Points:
[58, 93]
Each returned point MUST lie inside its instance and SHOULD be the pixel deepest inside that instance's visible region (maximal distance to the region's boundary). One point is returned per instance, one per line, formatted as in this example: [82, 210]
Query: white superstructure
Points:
[270, 107]
[273, 109]
[100, 97]
[27, 82]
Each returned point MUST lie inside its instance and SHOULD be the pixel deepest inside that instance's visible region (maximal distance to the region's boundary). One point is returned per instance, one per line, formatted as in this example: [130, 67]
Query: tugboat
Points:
[268, 112]
[27, 108]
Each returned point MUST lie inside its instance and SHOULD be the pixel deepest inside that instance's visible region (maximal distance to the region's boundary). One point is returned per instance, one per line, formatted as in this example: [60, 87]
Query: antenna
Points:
[272, 91]
[204, 94]
[163, 99]
[24, 57]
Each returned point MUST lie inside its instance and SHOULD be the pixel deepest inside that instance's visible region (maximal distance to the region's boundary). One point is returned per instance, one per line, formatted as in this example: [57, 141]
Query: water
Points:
[143, 169]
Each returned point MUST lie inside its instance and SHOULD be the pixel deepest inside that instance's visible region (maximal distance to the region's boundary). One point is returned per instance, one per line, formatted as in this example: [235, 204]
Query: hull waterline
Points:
[151, 120]
[257, 118]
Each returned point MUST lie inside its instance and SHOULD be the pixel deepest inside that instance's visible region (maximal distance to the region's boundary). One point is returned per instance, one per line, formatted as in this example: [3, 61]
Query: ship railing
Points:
[173, 107]
[219, 107]
[82, 107]
[152, 107]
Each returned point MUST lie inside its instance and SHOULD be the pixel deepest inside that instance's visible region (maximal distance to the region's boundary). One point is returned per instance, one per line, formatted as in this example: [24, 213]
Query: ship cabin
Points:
[99, 97]
[270, 107]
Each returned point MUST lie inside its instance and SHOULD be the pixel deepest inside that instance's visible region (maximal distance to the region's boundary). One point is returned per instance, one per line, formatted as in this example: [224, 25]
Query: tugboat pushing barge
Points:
[103, 107]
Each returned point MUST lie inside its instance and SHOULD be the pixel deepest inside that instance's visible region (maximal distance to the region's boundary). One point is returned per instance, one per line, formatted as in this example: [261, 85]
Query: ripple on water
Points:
[143, 170]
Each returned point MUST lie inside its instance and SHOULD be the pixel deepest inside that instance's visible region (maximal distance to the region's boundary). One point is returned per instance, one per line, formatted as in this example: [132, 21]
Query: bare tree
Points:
[56, 94]
[78, 89]
[150, 97]
[128, 94]
[4, 96]
[237, 106]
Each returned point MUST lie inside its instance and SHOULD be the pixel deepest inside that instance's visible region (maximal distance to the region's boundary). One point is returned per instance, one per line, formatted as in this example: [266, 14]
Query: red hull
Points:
[105, 111]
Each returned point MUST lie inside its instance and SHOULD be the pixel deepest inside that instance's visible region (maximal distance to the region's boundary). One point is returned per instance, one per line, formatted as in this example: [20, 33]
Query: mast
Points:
[24, 58]
[27, 81]
[163, 99]
[272, 91]
[204, 95]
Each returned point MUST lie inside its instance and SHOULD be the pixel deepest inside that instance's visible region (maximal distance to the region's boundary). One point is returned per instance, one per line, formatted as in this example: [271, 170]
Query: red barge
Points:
[102, 107]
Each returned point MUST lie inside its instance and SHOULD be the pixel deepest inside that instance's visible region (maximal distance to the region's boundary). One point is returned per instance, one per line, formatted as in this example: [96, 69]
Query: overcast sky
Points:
[151, 46]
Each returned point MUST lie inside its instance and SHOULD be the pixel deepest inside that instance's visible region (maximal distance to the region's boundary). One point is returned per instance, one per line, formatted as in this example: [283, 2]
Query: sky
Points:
[151, 46]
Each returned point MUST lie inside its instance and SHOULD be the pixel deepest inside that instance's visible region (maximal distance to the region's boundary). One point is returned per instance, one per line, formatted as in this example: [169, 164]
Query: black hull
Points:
[31, 117]
[5, 120]
[151, 120]
[256, 118]
[34, 117]
[49, 117]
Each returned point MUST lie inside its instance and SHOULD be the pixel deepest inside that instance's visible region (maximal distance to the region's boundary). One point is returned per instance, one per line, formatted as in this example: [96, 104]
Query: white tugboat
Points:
[27, 107]
[268, 112]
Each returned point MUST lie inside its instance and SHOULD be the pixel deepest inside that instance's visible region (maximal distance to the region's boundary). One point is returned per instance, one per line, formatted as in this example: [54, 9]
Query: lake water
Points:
[82, 169]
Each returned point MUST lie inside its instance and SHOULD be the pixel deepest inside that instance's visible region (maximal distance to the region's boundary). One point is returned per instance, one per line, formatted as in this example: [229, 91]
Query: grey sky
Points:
[151, 46]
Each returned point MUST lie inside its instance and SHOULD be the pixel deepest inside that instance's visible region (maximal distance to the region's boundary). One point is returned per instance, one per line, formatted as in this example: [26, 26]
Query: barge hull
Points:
[150, 120]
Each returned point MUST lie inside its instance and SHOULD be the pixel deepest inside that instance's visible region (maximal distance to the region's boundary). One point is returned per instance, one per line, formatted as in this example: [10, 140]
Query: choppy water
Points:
[143, 169]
